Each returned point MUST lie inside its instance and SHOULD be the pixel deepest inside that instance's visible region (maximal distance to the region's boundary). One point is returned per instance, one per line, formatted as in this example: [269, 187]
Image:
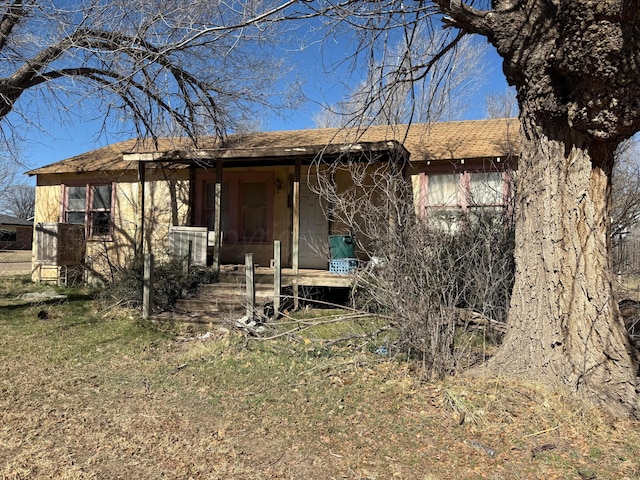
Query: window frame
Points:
[464, 202]
[89, 210]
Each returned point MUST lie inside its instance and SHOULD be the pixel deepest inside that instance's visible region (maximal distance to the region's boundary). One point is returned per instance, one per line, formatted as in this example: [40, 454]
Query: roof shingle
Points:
[425, 142]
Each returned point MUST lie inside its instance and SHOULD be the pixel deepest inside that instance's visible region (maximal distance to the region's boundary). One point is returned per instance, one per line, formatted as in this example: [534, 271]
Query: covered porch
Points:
[241, 200]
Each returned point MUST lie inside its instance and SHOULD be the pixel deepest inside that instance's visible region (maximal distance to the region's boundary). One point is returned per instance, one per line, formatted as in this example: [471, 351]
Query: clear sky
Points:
[76, 137]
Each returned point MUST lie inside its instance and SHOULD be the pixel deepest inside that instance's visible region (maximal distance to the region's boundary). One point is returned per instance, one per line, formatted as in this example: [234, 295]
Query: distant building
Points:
[15, 233]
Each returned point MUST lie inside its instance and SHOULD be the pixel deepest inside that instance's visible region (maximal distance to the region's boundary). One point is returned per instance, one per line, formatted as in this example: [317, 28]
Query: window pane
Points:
[76, 199]
[486, 188]
[446, 219]
[443, 189]
[100, 223]
[101, 197]
[8, 234]
[75, 217]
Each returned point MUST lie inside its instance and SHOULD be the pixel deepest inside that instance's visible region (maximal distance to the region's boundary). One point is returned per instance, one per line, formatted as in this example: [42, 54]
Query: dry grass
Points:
[84, 396]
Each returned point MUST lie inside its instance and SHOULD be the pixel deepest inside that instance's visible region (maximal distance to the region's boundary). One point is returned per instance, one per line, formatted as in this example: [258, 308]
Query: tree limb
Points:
[465, 17]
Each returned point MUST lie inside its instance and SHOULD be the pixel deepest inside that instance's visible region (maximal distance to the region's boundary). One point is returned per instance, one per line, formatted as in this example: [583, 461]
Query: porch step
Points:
[217, 290]
[220, 305]
[223, 298]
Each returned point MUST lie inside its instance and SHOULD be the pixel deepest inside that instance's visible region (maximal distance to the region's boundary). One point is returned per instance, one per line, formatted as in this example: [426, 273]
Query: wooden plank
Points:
[141, 204]
[217, 216]
[296, 232]
[295, 241]
[147, 287]
[322, 281]
[250, 282]
[277, 278]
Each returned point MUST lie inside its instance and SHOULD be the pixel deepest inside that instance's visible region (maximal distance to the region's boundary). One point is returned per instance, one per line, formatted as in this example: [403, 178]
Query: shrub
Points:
[171, 282]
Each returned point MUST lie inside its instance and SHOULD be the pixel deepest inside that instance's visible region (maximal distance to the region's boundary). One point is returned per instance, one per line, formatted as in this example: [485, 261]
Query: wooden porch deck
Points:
[304, 277]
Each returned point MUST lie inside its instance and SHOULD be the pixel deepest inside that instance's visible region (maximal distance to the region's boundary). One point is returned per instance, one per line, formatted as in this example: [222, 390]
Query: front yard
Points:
[97, 394]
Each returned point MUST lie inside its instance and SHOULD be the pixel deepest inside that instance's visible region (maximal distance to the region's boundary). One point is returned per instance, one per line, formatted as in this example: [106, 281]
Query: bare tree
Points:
[168, 67]
[625, 190]
[502, 104]
[442, 94]
[10, 173]
[426, 280]
[575, 70]
[19, 201]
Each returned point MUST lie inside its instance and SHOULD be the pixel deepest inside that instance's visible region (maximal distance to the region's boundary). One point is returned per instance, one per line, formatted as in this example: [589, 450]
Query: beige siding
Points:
[166, 203]
[47, 209]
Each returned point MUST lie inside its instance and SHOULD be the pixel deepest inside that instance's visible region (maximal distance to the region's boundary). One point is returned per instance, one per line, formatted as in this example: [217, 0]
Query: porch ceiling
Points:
[276, 155]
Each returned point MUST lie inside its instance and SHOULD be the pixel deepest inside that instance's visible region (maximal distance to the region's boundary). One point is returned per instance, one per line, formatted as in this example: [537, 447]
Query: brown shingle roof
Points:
[437, 141]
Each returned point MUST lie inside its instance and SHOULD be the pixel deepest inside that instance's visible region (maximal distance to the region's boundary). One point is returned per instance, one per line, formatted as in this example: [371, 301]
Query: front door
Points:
[314, 230]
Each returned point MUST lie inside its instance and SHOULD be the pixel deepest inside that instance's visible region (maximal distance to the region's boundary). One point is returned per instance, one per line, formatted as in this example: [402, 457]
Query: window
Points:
[8, 234]
[246, 206]
[448, 196]
[443, 190]
[486, 189]
[90, 205]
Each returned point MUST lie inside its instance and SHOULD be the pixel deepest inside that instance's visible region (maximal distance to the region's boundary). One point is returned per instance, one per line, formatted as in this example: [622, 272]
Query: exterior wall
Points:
[166, 204]
[170, 201]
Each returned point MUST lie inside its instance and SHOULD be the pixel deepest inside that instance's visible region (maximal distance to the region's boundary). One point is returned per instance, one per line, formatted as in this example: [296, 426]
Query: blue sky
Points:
[56, 141]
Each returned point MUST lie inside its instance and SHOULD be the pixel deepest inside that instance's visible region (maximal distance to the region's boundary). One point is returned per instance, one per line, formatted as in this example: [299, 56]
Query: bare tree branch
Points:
[198, 65]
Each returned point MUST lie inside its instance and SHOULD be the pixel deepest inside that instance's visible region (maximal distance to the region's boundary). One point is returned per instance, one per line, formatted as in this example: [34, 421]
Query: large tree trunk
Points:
[575, 66]
[564, 326]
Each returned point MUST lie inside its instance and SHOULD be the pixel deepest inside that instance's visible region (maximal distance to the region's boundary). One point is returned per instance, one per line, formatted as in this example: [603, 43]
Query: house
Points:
[228, 197]
[15, 233]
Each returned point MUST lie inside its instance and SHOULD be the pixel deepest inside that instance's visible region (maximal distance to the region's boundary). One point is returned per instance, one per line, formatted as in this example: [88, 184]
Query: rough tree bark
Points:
[576, 67]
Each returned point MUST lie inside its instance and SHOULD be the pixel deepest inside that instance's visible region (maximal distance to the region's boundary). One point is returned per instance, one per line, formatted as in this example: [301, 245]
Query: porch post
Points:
[147, 286]
[217, 214]
[250, 283]
[141, 194]
[277, 278]
[296, 219]
[295, 244]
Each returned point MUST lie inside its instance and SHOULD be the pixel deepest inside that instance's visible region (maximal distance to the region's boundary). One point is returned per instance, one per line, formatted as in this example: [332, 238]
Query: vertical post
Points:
[250, 284]
[296, 219]
[296, 232]
[277, 278]
[140, 219]
[217, 216]
[147, 286]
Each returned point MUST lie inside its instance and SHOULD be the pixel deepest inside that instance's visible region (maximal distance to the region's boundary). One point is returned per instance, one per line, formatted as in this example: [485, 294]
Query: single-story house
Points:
[228, 197]
[15, 233]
